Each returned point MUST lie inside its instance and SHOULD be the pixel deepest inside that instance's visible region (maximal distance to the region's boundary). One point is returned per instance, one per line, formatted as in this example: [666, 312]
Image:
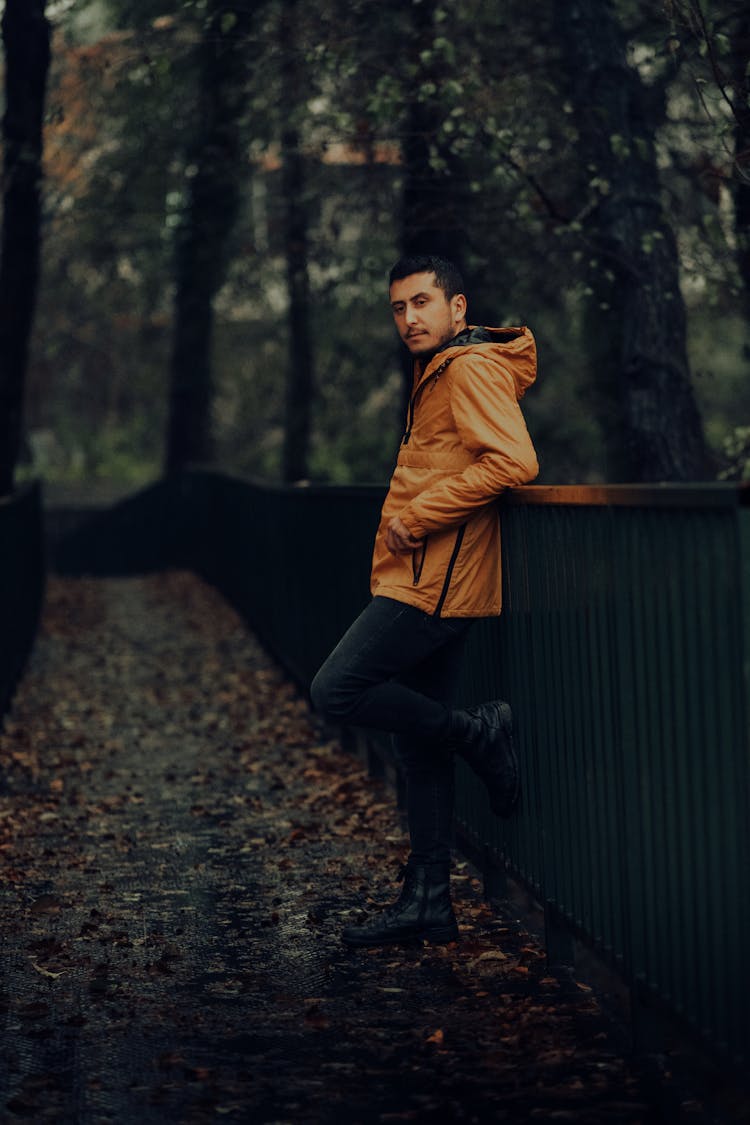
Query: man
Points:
[435, 569]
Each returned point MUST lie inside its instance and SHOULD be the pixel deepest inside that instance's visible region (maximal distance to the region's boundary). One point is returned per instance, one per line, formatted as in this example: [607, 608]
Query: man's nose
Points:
[411, 315]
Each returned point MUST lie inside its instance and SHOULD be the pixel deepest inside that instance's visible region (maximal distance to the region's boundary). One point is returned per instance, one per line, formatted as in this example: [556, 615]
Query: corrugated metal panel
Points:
[622, 648]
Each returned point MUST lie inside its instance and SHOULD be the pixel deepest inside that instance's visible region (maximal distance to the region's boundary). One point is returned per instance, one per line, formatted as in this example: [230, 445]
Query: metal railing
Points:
[623, 647]
[21, 584]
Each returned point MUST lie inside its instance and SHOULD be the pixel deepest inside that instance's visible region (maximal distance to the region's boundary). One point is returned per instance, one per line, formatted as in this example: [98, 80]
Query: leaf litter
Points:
[181, 844]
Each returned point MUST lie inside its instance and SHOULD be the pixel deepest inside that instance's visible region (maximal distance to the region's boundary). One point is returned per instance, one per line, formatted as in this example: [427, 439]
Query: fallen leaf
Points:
[45, 904]
[46, 972]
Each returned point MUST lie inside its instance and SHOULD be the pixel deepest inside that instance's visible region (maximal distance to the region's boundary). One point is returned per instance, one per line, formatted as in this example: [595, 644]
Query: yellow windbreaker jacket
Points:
[465, 441]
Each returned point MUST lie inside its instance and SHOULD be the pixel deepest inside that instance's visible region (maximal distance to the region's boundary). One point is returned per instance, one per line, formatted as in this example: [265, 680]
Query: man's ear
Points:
[459, 307]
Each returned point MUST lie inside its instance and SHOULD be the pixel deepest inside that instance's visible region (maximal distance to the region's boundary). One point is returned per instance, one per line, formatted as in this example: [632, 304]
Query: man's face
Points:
[424, 318]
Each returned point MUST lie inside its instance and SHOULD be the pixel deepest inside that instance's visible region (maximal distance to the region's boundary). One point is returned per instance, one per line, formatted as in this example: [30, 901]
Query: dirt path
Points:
[179, 850]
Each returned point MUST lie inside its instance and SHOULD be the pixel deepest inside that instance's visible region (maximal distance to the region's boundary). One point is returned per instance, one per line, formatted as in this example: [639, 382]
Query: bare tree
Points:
[736, 87]
[641, 354]
[26, 39]
[212, 201]
[300, 377]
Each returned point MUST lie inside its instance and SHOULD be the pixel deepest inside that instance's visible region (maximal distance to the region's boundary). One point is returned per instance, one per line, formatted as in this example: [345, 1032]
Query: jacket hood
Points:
[513, 348]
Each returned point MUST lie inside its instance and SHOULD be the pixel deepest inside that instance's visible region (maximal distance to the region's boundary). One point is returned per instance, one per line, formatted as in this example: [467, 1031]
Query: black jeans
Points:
[396, 669]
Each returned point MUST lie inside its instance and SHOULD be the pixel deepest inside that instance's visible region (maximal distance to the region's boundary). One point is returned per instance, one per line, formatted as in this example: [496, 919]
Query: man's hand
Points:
[398, 538]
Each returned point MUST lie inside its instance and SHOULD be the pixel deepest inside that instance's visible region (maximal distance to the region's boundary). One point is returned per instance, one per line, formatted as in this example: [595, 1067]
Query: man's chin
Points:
[419, 348]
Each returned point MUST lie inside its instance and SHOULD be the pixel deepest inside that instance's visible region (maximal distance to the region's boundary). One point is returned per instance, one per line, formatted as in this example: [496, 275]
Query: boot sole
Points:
[437, 936]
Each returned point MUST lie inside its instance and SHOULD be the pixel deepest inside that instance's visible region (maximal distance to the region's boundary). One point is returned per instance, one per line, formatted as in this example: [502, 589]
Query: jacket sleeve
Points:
[491, 426]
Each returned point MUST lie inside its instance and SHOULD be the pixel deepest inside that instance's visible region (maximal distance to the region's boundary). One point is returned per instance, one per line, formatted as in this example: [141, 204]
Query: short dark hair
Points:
[447, 275]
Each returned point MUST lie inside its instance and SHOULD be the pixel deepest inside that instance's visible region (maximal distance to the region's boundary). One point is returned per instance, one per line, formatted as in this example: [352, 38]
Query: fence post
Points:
[22, 573]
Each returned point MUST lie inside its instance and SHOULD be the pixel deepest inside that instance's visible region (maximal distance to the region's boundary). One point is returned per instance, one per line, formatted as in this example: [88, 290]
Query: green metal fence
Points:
[295, 562]
[21, 584]
[623, 646]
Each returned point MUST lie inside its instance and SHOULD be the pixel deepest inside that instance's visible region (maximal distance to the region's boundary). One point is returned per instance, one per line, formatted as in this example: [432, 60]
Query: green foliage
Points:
[486, 77]
[737, 453]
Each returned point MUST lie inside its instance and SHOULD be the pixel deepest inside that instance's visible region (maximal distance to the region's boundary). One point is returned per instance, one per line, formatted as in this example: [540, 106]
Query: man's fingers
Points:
[398, 538]
[400, 543]
[393, 543]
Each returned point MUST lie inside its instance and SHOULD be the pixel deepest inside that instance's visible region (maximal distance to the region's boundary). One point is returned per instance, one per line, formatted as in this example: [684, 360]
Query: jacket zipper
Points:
[418, 567]
[449, 572]
[413, 400]
[410, 421]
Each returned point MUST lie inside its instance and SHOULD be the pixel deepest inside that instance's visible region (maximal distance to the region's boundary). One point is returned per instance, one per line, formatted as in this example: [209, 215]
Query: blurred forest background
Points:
[224, 187]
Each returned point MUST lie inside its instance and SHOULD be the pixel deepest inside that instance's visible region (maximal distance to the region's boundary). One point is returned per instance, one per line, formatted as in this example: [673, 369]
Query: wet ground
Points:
[180, 847]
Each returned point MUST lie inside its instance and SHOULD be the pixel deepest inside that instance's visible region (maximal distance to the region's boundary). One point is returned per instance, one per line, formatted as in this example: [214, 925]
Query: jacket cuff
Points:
[412, 524]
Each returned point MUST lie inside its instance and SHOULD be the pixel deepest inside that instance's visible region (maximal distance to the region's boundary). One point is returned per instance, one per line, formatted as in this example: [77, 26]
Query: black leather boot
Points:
[423, 910]
[483, 735]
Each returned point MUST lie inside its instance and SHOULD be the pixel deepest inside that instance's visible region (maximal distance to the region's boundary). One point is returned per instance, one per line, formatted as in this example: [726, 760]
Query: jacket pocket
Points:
[417, 561]
[449, 572]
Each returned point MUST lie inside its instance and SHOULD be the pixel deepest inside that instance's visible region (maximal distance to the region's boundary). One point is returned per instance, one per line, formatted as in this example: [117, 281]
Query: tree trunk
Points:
[654, 425]
[26, 37]
[740, 60]
[213, 194]
[434, 208]
[300, 378]
[434, 214]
